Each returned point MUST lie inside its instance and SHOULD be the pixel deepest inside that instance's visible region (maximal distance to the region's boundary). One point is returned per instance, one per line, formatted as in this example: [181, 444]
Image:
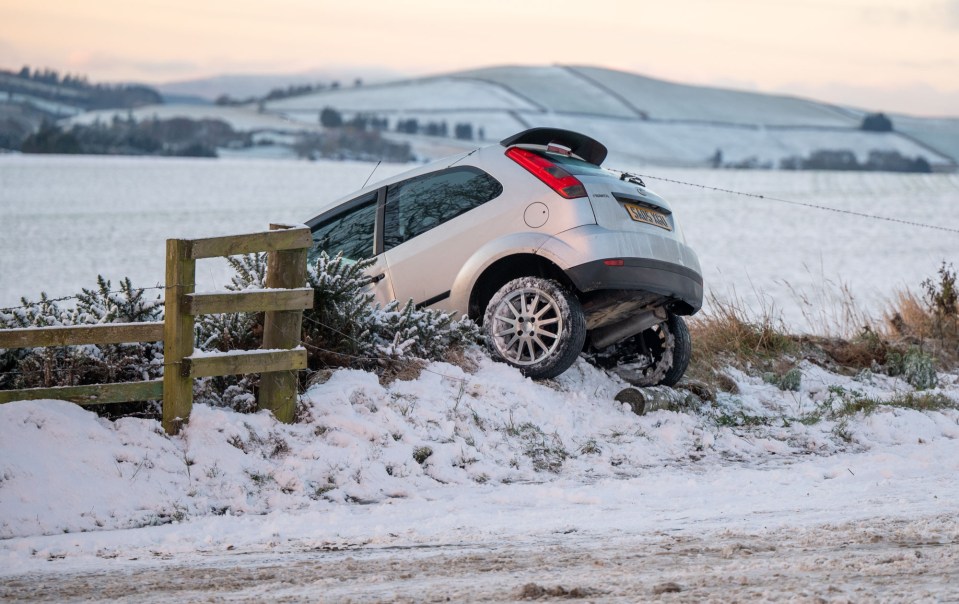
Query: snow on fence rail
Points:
[284, 301]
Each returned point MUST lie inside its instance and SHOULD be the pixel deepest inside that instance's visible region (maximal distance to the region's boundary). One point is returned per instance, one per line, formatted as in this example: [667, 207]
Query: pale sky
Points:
[892, 55]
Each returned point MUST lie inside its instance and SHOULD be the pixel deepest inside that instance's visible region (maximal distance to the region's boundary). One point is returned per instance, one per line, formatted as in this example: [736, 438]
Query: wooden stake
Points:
[177, 335]
[282, 330]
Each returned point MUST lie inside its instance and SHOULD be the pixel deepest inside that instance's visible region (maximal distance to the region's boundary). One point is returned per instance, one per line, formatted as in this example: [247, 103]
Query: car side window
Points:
[415, 206]
[350, 232]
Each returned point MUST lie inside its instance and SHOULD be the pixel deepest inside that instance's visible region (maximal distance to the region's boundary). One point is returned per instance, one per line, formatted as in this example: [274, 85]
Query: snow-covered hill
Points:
[647, 120]
[642, 120]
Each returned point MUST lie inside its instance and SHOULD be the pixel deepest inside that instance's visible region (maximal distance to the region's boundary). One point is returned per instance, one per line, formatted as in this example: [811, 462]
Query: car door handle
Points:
[378, 278]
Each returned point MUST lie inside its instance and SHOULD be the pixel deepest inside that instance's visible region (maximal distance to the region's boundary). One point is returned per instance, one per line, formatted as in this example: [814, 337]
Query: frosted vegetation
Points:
[343, 329]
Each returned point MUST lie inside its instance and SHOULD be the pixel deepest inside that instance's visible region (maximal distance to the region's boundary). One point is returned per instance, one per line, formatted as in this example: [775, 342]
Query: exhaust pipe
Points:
[607, 335]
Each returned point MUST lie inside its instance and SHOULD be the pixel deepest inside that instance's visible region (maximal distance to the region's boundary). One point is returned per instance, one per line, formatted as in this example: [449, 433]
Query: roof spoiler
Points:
[588, 148]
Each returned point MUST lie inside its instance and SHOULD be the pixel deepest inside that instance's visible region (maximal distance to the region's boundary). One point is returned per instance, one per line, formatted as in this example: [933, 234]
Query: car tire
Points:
[536, 325]
[682, 350]
[658, 356]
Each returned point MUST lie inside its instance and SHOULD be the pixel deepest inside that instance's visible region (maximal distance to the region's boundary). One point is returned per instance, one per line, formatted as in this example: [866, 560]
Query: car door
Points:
[350, 229]
[431, 227]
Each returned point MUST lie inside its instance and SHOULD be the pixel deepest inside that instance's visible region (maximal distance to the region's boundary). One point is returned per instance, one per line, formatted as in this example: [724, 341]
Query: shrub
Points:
[345, 327]
[915, 366]
[940, 297]
[346, 322]
[932, 321]
[80, 365]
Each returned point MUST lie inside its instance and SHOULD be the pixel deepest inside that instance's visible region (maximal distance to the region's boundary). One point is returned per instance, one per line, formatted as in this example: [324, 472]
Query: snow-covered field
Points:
[63, 220]
[482, 485]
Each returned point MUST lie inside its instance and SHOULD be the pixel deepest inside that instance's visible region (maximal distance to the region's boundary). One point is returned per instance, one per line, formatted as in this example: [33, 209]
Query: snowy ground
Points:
[552, 484]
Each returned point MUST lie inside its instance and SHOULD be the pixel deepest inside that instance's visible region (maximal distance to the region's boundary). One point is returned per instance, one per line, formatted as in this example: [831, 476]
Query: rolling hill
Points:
[642, 120]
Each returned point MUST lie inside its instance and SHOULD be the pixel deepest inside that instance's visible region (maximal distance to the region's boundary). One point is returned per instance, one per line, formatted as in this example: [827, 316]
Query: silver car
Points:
[550, 253]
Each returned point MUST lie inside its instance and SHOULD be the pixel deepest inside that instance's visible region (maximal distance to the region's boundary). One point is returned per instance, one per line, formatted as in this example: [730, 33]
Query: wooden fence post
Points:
[282, 330]
[177, 335]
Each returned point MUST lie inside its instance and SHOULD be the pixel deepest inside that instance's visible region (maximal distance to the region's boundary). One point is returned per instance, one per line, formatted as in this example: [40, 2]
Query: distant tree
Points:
[358, 82]
[436, 129]
[359, 122]
[196, 150]
[828, 159]
[876, 122]
[408, 126]
[13, 132]
[51, 139]
[893, 161]
[717, 159]
[793, 162]
[24, 72]
[463, 131]
[331, 118]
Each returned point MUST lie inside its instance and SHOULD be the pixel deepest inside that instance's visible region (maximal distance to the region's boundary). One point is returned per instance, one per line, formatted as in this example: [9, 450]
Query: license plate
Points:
[641, 214]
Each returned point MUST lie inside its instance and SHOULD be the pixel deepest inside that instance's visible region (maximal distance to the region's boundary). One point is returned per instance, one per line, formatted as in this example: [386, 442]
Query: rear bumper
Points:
[659, 277]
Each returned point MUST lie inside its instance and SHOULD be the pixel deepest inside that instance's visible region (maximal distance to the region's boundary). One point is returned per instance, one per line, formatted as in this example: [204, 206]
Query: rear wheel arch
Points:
[506, 269]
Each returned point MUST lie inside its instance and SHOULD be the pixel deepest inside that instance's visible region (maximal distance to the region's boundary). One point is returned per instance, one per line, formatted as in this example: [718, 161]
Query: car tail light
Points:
[614, 262]
[554, 176]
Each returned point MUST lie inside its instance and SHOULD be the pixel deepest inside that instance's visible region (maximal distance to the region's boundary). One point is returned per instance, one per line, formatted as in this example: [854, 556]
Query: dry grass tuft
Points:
[909, 318]
[917, 333]
[932, 322]
[402, 369]
[866, 350]
[727, 335]
[831, 308]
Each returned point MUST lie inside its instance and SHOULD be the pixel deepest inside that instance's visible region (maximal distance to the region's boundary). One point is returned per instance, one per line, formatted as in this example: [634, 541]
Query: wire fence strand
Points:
[77, 297]
[804, 204]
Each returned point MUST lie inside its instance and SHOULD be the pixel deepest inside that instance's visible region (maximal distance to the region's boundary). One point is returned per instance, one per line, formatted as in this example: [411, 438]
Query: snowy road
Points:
[878, 559]
[867, 526]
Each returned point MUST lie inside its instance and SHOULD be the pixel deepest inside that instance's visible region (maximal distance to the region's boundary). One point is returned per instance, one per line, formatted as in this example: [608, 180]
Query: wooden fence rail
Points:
[284, 301]
[94, 394]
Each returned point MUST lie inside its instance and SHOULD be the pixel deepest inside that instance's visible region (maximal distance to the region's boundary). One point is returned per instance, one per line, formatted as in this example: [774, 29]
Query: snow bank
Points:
[63, 470]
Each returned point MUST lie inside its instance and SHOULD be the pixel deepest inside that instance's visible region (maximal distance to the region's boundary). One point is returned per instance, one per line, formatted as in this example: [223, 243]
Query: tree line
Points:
[332, 118]
[172, 137]
[76, 90]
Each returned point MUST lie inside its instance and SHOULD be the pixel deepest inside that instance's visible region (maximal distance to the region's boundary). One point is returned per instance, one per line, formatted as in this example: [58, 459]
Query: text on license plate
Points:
[640, 214]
